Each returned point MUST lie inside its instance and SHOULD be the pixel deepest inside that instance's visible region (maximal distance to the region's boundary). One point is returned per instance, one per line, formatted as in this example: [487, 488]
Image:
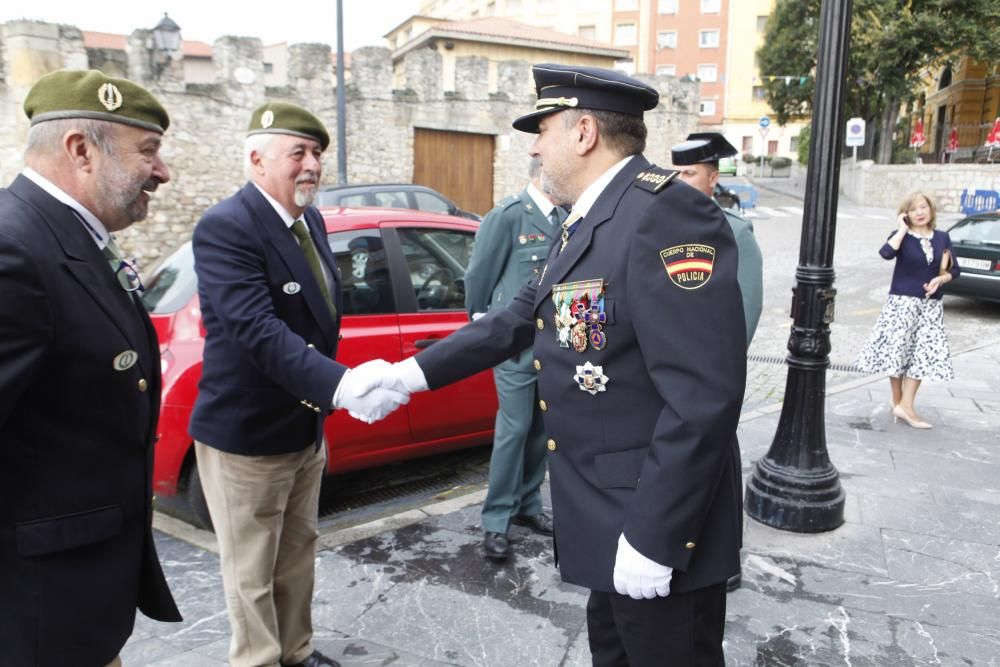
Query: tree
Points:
[894, 44]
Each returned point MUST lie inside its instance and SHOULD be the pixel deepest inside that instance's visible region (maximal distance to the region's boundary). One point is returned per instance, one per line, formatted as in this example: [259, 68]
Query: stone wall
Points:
[885, 185]
[203, 147]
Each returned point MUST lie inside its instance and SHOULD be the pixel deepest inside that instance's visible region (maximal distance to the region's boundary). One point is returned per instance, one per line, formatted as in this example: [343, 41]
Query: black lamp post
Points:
[341, 100]
[165, 45]
[795, 486]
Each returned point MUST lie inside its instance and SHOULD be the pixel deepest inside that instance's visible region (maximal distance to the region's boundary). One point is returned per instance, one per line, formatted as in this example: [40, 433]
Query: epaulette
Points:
[655, 178]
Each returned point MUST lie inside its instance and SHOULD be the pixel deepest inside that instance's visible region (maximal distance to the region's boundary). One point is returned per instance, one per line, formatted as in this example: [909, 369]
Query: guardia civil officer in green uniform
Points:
[511, 247]
[697, 160]
[79, 377]
[636, 321]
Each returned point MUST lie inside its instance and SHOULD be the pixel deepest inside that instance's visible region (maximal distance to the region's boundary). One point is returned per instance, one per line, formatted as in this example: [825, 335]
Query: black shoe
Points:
[734, 582]
[317, 659]
[540, 523]
[496, 546]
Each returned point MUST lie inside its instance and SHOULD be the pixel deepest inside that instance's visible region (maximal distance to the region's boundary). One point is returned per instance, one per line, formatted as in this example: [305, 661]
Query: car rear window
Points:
[172, 283]
[977, 230]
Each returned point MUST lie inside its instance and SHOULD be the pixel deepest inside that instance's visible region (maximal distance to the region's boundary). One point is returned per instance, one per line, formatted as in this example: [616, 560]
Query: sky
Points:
[365, 21]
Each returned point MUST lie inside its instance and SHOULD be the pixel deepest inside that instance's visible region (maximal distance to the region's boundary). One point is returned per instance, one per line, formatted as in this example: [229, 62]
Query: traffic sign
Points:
[765, 121]
[855, 132]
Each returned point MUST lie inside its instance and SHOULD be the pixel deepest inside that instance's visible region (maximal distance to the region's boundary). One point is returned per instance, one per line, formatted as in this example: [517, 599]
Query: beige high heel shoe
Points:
[899, 413]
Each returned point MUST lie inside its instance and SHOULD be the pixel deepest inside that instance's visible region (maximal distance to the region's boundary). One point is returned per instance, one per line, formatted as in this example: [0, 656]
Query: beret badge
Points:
[110, 96]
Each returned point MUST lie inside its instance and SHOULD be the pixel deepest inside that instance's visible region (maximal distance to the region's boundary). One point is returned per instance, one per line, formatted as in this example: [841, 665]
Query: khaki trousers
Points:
[264, 509]
[117, 662]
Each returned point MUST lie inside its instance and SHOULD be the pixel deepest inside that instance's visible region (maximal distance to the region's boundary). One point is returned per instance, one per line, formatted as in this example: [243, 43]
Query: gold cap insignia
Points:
[110, 96]
[546, 102]
[267, 119]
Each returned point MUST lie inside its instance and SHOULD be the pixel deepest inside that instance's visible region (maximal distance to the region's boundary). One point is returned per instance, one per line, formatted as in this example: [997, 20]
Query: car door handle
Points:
[425, 342]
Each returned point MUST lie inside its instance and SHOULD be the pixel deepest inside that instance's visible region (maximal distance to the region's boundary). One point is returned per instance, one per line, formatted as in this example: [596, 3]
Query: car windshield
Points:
[977, 230]
[172, 283]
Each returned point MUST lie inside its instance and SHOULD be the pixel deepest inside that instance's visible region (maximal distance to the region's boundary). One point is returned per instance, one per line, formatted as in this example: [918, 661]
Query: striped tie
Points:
[314, 261]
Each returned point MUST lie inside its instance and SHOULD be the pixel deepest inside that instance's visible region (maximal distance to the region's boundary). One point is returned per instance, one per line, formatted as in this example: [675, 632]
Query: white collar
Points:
[541, 201]
[285, 216]
[96, 228]
[586, 200]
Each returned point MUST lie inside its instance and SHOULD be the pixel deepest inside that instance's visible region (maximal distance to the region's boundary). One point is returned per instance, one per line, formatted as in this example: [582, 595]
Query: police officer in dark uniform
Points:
[511, 247]
[637, 325]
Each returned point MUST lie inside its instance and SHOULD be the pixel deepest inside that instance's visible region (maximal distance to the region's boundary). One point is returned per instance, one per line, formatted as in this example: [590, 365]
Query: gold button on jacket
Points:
[551, 445]
[143, 385]
[543, 405]
[538, 365]
[540, 324]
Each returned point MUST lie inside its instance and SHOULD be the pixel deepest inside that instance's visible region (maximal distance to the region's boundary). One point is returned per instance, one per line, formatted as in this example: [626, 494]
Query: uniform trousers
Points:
[517, 464]
[264, 509]
[117, 662]
[680, 630]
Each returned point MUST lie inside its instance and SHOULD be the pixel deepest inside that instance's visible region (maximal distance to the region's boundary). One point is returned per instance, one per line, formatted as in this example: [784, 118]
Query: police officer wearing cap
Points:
[511, 247]
[641, 361]
[697, 160]
[79, 377]
[271, 302]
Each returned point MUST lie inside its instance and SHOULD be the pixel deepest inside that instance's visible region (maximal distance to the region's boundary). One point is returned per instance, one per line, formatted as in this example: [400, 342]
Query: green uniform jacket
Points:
[750, 274]
[511, 246]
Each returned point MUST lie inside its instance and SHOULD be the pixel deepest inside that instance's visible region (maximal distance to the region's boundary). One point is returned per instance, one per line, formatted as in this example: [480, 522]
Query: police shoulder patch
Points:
[689, 266]
[654, 179]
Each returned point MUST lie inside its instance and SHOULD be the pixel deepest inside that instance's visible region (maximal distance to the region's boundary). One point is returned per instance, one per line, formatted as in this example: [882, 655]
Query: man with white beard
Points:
[270, 301]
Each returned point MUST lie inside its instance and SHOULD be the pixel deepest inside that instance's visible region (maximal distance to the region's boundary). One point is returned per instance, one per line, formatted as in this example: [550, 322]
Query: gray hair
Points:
[46, 137]
[255, 143]
[534, 167]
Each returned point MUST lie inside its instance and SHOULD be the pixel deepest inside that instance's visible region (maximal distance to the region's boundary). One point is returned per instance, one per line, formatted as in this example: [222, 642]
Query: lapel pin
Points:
[125, 360]
[291, 288]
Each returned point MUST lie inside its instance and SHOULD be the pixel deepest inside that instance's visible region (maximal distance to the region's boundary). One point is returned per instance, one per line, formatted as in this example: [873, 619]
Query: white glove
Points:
[638, 577]
[476, 316]
[362, 394]
[404, 377]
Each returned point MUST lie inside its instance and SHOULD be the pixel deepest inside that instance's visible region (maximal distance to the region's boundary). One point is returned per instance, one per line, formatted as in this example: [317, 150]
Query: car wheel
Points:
[196, 500]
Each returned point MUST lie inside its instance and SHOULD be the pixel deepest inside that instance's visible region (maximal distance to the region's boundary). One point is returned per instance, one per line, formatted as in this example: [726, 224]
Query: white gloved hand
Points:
[363, 394]
[476, 316]
[638, 577]
[404, 377]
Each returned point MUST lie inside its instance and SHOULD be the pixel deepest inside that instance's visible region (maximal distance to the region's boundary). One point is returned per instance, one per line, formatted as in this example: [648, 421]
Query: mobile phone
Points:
[906, 219]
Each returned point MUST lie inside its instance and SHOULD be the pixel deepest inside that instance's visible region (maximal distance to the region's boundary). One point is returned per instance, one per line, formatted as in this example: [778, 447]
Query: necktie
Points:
[557, 216]
[113, 253]
[313, 260]
[568, 227]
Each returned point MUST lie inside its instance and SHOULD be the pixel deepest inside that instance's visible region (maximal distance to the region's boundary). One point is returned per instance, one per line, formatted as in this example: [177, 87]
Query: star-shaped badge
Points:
[591, 378]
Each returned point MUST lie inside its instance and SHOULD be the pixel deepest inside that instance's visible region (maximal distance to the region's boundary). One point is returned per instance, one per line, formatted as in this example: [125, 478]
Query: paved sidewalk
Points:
[911, 578]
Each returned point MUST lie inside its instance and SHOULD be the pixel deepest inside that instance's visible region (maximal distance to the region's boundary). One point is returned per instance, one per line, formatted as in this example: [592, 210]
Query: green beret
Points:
[284, 118]
[76, 93]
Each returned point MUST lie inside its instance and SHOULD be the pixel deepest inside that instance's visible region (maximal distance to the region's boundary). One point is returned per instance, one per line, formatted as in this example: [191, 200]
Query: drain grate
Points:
[780, 361]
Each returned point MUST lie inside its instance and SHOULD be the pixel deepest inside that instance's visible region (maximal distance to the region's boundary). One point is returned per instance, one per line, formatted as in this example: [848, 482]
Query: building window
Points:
[759, 93]
[708, 39]
[666, 39]
[772, 148]
[666, 70]
[711, 6]
[626, 5]
[268, 68]
[667, 7]
[708, 73]
[793, 145]
[761, 23]
[747, 144]
[625, 34]
[587, 31]
[706, 108]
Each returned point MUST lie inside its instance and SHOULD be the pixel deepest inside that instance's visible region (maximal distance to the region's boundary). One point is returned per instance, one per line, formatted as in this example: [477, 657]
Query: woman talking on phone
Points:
[909, 342]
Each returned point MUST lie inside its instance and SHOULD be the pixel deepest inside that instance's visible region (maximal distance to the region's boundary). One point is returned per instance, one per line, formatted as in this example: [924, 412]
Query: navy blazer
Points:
[268, 375]
[79, 402]
[654, 454]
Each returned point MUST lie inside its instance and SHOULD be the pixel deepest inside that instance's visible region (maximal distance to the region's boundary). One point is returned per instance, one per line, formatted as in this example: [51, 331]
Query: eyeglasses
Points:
[128, 277]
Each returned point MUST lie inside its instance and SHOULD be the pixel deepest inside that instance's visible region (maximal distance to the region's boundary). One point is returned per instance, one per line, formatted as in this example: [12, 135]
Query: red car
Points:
[403, 289]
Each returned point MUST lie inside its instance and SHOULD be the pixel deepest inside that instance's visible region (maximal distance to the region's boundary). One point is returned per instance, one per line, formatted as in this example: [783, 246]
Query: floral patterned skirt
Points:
[909, 340]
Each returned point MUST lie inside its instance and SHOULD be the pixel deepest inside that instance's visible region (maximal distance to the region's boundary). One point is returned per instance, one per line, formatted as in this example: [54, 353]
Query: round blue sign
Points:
[764, 121]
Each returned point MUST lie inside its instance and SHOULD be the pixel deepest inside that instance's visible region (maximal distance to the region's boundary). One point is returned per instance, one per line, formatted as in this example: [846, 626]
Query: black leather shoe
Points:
[496, 546]
[734, 582]
[317, 659]
[540, 523]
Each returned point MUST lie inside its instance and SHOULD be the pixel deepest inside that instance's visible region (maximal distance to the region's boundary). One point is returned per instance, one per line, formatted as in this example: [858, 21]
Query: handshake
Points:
[371, 391]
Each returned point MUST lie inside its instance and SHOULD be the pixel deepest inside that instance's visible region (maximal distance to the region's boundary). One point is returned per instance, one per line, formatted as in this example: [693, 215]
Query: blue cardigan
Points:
[912, 269]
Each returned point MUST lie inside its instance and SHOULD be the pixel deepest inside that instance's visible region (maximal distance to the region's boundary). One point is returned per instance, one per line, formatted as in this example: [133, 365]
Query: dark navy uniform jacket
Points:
[268, 377]
[653, 455]
[79, 402]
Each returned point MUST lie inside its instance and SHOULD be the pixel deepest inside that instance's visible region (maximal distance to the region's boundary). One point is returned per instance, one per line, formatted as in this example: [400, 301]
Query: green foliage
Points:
[749, 158]
[893, 44]
[778, 162]
[805, 135]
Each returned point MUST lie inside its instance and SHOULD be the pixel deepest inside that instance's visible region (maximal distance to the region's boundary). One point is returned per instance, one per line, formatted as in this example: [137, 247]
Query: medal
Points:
[580, 314]
[579, 337]
[591, 378]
